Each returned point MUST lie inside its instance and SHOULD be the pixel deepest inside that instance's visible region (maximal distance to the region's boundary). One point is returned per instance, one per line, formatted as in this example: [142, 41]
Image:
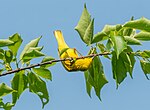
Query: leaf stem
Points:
[17, 63]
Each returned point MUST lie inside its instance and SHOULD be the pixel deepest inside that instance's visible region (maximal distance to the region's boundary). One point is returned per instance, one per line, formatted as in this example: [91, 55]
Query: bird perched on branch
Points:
[65, 51]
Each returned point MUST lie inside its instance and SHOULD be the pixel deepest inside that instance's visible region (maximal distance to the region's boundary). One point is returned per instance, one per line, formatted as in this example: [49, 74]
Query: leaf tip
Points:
[117, 85]
[132, 18]
[147, 77]
[93, 20]
[40, 37]
[131, 76]
[85, 5]
[99, 98]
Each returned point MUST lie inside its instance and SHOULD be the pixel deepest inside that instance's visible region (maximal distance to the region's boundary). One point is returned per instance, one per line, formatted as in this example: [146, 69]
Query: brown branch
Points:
[50, 62]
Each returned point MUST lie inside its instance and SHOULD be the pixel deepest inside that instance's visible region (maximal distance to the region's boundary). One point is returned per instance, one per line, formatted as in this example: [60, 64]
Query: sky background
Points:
[33, 18]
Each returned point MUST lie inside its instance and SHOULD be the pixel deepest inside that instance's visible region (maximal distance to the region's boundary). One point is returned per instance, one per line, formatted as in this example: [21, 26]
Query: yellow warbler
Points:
[70, 65]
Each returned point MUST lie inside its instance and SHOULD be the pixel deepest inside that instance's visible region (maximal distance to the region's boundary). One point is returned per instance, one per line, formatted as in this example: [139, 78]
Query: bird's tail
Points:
[60, 40]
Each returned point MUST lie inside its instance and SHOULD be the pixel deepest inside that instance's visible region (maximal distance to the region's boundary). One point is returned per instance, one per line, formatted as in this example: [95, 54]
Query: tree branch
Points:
[50, 62]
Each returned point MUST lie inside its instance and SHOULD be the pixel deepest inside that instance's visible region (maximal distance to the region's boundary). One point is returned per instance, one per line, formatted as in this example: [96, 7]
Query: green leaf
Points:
[2, 54]
[1, 103]
[99, 77]
[102, 48]
[118, 68]
[30, 54]
[118, 27]
[19, 83]
[144, 36]
[109, 44]
[17, 42]
[129, 31]
[144, 54]
[145, 65]
[33, 43]
[8, 67]
[147, 52]
[38, 86]
[44, 73]
[99, 37]
[8, 56]
[1, 70]
[96, 77]
[88, 36]
[110, 28]
[46, 59]
[8, 106]
[141, 24]
[35, 48]
[129, 60]
[127, 63]
[119, 44]
[85, 27]
[62, 51]
[84, 22]
[132, 40]
[5, 90]
[5, 42]
[88, 85]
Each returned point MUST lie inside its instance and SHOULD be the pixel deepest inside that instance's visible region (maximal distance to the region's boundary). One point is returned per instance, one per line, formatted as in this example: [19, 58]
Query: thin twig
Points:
[50, 62]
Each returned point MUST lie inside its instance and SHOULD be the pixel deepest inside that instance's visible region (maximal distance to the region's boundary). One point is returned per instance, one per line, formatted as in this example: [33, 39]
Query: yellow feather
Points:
[75, 65]
[60, 40]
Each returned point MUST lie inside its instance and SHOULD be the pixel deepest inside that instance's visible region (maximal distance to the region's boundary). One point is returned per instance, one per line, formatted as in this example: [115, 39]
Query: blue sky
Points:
[33, 18]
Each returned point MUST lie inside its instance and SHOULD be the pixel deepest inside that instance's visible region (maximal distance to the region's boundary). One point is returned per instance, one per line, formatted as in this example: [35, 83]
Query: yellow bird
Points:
[70, 65]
